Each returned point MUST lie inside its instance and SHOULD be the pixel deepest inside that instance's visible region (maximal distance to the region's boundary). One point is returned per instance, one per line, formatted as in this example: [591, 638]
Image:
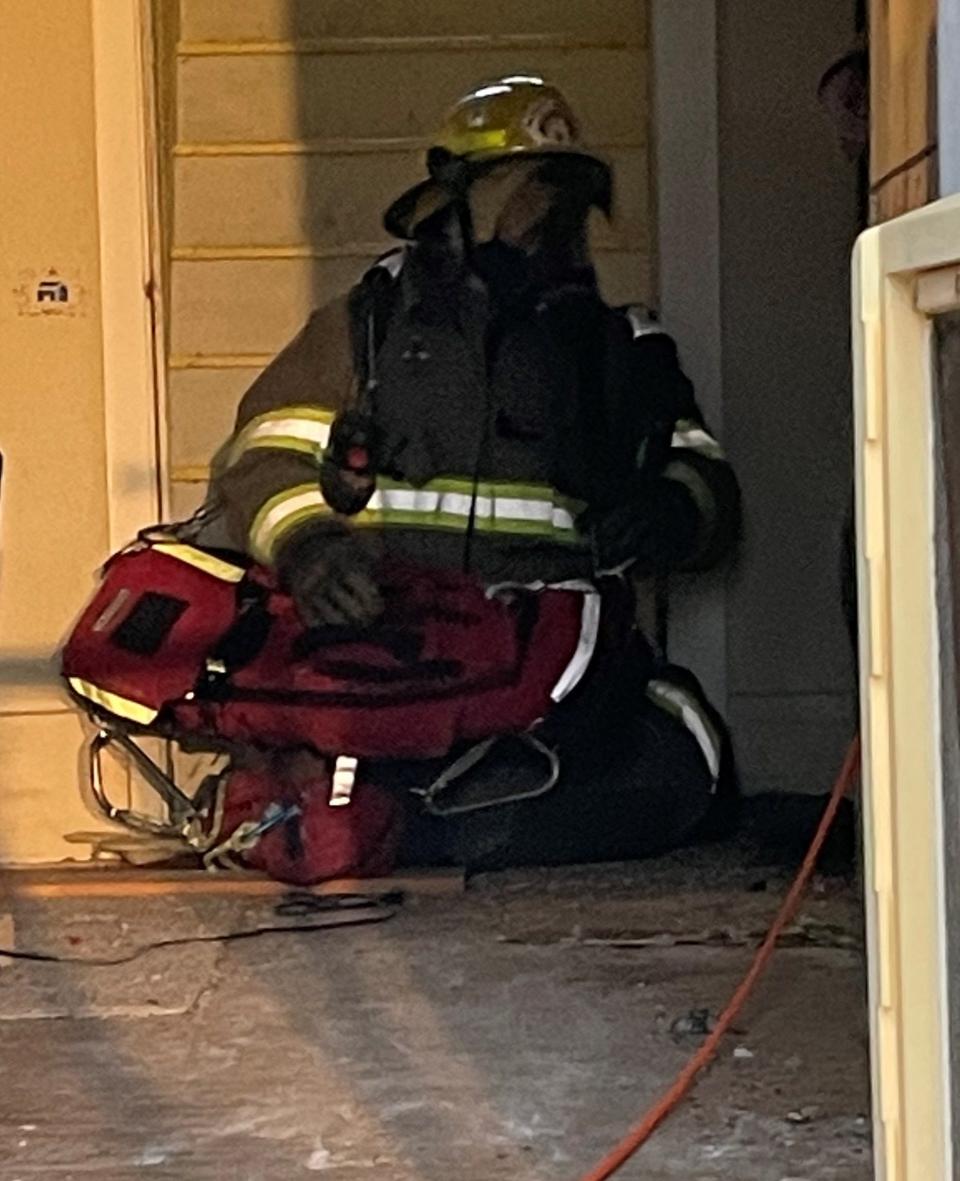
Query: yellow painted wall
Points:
[53, 509]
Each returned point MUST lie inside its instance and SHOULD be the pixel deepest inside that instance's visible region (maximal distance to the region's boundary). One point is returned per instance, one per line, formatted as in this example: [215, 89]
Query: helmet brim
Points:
[428, 197]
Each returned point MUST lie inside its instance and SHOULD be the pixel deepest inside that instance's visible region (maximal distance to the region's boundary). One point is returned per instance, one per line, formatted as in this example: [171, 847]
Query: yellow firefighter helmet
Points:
[517, 115]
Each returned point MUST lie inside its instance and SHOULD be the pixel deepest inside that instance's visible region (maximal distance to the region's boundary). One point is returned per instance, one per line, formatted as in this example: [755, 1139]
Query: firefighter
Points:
[474, 405]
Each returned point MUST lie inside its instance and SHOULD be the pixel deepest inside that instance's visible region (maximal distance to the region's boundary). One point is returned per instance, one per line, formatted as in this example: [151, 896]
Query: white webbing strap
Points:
[344, 779]
[586, 646]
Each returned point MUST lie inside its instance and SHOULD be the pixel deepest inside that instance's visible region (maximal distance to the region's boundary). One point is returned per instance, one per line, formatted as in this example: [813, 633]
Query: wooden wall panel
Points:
[278, 20]
[903, 159]
[263, 202]
[306, 96]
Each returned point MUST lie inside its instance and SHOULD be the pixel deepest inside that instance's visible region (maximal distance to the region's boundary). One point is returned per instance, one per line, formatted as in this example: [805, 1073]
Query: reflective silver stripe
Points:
[404, 500]
[317, 433]
[570, 584]
[282, 513]
[513, 509]
[586, 646]
[616, 571]
[642, 322]
[445, 507]
[687, 475]
[489, 511]
[344, 778]
[392, 263]
[691, 436]
[306, 429]
[689, 710]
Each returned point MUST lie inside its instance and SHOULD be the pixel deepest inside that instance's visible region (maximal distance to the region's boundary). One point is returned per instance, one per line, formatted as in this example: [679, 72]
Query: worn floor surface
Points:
[504, 1034]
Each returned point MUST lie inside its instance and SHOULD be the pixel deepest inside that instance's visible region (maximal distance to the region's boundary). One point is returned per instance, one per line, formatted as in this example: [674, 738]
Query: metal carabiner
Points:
[247, 835]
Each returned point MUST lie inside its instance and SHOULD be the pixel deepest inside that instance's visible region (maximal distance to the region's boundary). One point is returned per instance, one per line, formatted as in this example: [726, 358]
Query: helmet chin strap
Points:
[452, 172]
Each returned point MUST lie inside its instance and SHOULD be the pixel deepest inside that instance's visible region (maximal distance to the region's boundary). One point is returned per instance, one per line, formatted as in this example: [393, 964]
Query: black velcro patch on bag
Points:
[149, 623]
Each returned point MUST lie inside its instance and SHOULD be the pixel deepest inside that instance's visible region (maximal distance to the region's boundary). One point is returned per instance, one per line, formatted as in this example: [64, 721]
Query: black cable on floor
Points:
[360, 911]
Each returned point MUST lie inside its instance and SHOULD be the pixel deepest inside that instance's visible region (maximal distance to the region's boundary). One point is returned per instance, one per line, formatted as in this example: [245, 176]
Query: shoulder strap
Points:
[241, 642]
[371, 305]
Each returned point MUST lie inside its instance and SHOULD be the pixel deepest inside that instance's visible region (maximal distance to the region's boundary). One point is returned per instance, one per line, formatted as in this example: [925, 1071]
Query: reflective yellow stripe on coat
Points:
[523, 509]
[281, 515]
[305, 429]
[530, 510]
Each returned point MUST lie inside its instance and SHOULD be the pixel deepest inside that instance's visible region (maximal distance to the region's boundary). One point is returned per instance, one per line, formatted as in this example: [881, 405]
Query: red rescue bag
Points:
[198, 647]
[179, 642]
[315, 840]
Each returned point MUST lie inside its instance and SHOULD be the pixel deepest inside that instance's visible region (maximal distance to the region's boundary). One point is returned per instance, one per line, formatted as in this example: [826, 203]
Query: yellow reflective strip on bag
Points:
[216, 567]
[121, 707]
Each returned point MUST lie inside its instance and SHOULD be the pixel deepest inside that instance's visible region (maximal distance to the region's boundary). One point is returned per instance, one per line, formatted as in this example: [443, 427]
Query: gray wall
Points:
[688, 226]
[948, 87]
[788, 220]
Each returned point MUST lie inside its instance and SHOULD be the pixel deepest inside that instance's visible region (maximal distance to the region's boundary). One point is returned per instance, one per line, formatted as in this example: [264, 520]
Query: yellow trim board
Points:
[120, 882]
[470, 43]
[904, 853]
[220, 360]
[238, 253]
[355, 146]
[348, 250]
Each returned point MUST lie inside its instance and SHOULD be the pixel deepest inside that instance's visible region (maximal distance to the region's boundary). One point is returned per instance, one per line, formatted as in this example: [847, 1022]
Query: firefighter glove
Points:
[657, 528]
[331, 581]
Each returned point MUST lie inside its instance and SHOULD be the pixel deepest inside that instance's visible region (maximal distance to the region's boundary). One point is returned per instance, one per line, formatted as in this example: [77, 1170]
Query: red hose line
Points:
[671, 1100]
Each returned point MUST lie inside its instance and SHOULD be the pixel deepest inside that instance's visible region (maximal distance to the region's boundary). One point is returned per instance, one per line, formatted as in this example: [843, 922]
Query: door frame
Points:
[130, 277]
[898, 270]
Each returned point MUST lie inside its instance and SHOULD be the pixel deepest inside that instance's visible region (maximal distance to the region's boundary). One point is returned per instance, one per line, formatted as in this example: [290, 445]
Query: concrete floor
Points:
[502, 1034]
